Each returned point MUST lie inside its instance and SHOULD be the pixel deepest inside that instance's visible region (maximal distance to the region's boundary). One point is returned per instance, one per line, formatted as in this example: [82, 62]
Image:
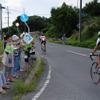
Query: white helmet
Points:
[98, 33]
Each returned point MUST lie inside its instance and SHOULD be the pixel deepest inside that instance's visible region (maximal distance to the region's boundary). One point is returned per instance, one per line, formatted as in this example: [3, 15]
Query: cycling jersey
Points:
[98, 41]
[43, 38]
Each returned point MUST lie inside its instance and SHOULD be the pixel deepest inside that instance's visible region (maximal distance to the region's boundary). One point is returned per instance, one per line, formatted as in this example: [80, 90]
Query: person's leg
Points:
[41, 45]
[2, 83]
[6, 72]
[9, 71]
[45, 45]
[27, 66]
[99, 61]
[3, 78]
[18, 62]
[14, 68]
[99, 64]
[19, 59]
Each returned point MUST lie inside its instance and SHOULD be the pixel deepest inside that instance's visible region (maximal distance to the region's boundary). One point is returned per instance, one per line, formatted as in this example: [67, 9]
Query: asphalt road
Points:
[70, 77]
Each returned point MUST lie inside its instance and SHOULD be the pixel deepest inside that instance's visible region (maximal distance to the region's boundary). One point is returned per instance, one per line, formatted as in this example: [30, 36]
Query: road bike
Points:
[94, 70]
[43, 49]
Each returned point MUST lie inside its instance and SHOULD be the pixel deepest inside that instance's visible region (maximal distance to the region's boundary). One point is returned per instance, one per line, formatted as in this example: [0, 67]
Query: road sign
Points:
[17, 24]
[28, 38]
[24, 17]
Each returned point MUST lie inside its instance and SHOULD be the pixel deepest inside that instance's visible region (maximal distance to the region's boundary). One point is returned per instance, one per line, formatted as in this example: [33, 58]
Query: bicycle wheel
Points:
[94, 73]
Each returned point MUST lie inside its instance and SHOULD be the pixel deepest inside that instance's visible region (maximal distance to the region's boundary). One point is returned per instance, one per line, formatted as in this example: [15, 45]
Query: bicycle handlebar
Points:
[93, 55]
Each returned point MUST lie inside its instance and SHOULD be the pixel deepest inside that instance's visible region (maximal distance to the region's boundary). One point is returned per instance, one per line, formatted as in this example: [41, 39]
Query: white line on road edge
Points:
[44, 86]
[77, 53]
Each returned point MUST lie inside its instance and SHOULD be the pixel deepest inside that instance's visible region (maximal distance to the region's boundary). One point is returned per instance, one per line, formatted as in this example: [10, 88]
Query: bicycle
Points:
[94, 71]
[43, 49]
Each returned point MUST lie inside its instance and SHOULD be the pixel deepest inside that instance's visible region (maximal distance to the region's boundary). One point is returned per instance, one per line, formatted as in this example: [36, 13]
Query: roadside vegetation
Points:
[1, 49]
[21, 88]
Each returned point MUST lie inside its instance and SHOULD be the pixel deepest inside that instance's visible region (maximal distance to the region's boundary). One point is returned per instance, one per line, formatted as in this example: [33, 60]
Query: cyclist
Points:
[63, 38]
[95, 49]
[43, 41]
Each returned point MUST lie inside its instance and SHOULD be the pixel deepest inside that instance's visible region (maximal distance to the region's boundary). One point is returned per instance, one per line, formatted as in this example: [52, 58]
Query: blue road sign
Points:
[24, 17]
[28, 37]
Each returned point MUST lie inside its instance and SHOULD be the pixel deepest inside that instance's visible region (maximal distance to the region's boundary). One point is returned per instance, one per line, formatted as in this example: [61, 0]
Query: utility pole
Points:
[8, 18]
[77, 3]
[80, 20]
[1, 19]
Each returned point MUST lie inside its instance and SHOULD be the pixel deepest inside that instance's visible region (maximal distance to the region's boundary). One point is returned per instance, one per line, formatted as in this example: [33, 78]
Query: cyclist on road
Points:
[95, 49]
[43, 41]
[63, 38]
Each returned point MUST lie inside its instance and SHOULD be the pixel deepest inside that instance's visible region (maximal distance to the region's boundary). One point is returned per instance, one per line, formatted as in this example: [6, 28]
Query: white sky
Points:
[33, 7]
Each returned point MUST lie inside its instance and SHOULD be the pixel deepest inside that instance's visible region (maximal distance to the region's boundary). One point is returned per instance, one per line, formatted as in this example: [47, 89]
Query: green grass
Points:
[1, 49]
[74, 41]
[36, 60]
[53, 41]
[21, 88]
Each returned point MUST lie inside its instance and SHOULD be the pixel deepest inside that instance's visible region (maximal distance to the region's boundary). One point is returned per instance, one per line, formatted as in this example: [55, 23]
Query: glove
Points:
[91, 54]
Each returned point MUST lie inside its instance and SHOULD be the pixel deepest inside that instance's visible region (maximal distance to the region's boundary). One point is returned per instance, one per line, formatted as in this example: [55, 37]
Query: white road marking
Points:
[77, 53]
[44, 86]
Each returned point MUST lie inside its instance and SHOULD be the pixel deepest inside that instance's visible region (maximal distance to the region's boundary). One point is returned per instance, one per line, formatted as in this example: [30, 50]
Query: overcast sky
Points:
[33, 7]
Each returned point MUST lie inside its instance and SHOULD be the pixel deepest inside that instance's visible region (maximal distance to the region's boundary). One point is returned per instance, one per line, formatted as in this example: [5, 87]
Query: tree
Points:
[64, 20]
[92, 8]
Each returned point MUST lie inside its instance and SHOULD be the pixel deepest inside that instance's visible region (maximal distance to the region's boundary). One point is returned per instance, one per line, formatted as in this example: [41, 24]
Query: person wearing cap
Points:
[8, 58]
[95, 49]
[16, 58]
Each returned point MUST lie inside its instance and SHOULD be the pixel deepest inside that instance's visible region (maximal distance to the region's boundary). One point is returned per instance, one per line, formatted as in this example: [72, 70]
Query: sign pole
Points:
[80, 20]
[1, 19]
[24, 19]
[27, 27]
[17, 25]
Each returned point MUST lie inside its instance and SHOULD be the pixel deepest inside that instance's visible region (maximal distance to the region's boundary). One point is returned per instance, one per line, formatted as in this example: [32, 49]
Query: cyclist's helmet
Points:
[99, 33]
[42, 34]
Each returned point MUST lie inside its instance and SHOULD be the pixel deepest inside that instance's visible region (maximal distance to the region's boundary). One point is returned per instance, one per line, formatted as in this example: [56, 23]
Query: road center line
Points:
[77, 53]
[44, 86]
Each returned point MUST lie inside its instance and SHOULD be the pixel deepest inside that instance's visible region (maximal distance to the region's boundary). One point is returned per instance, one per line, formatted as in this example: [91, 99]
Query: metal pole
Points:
[80, 20]
[8, 18]
[27, 27]
[77, 3]
[1, 19]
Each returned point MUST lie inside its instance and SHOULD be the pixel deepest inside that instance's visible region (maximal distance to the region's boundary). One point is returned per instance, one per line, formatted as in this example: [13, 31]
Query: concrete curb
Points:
[28, 80]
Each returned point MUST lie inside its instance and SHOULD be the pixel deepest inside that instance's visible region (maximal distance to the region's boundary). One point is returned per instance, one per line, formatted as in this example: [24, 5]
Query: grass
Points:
[21, 88]
[36, 60]
[89, 43]
[1, 49]
[53, 41]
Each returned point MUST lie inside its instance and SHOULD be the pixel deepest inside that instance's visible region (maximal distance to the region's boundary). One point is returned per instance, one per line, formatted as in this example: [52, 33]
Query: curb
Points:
[28, 80]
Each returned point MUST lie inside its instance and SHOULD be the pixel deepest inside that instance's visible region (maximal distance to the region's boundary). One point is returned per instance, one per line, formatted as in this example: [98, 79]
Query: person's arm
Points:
[1, 56]
[13, 43]
[95, 49]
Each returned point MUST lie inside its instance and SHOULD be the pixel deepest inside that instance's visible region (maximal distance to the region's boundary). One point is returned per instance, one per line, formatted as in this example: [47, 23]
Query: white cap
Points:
[99, 33]
[15, 37]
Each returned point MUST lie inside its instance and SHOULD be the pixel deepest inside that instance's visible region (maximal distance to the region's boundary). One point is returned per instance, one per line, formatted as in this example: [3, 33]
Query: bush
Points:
[1, 47]
[90, 31]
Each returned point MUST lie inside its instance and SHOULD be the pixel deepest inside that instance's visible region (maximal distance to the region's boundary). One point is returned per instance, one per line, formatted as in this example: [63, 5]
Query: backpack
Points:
[15, 53]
